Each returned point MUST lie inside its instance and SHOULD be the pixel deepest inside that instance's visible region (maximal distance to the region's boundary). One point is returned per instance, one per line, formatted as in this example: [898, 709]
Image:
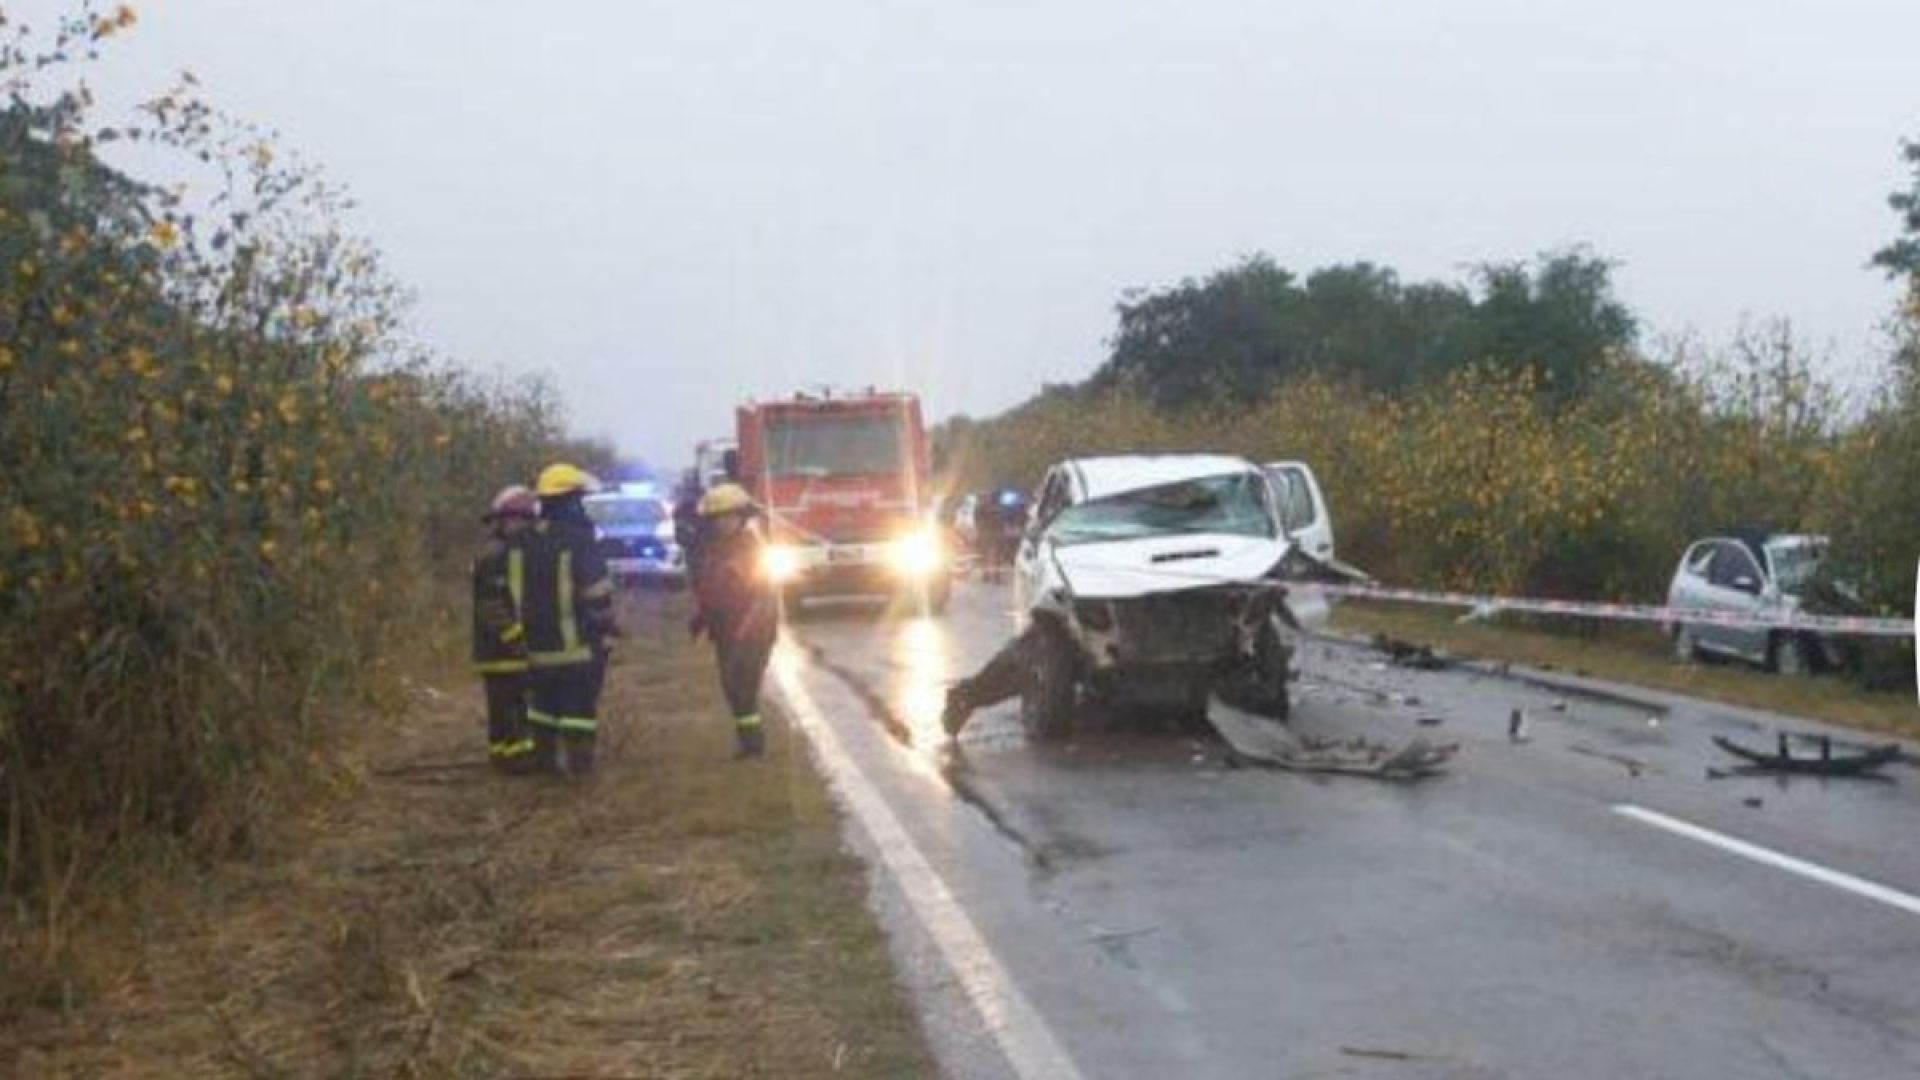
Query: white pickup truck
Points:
[1160, 579]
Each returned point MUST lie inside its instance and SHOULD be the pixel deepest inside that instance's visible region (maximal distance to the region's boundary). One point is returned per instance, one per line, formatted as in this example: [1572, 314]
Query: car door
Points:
[1030, 566]
[1303, 510]
[1734, 583]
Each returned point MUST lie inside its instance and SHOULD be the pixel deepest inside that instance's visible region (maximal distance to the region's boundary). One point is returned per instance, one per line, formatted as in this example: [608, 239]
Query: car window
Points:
[620, 511]
[1731, 563]
[1296, 501]
[1794, 564]
[1235, 504]
[1053, 497]
[1699, 557]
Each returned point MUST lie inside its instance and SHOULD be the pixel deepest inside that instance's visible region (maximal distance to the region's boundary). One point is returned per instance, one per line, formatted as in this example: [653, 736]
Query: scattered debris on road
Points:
[1517, 726]
[1383, 1055]
[1854, 759]
[1431, 721]
[1408, 655]
[1634, 766]
[1256, 739]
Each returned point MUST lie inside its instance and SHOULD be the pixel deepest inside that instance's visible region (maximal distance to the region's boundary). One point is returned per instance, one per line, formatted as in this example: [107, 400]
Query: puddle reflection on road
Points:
[924, 657]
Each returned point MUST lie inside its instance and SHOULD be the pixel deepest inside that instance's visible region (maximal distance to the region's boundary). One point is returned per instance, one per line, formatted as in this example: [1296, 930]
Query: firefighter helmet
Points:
[514, 500]
[564, 479]
[725, 499]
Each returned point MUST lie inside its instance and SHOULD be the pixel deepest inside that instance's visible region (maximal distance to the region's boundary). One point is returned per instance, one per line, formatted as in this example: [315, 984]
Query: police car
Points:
[634, 523]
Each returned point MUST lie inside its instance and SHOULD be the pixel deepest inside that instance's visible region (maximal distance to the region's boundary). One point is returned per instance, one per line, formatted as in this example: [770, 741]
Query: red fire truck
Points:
[844, 479]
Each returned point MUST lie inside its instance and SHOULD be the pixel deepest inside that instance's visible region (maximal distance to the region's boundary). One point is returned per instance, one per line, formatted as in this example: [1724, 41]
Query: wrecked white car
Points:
[1155, 580]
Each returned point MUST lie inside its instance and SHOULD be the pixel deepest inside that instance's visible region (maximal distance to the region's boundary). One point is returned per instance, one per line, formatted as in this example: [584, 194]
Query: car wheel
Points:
[1272, 657]
[1685, 649]
[1050, 696]
[1787, 655]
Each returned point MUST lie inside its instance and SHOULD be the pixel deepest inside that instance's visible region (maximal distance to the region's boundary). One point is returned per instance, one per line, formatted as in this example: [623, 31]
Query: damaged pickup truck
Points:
[1150, 580]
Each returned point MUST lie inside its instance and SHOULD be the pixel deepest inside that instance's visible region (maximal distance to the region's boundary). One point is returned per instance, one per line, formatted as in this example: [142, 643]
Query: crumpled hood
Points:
[1117, 570]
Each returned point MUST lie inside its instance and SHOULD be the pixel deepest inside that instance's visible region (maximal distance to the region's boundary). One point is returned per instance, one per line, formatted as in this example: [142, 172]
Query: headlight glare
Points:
[780, 563]
[917, 554]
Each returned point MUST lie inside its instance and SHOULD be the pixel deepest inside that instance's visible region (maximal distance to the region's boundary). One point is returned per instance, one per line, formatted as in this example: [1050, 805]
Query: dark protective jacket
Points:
[735, 602]
[499, 576]
[567, 603]
[689, 530]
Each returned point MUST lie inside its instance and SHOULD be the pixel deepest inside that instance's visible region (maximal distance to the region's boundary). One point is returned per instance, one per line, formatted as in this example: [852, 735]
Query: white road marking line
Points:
[1016, 1026]
[1856, 885]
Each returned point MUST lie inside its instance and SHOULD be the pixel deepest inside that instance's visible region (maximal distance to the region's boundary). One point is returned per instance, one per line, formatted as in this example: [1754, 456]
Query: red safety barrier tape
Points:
[1780, 620]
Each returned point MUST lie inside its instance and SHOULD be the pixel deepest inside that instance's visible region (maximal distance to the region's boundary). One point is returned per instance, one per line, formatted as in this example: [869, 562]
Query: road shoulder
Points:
[679, 914]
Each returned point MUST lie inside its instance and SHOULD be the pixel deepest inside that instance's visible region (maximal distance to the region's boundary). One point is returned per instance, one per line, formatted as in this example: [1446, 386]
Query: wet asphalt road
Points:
[1169, 915]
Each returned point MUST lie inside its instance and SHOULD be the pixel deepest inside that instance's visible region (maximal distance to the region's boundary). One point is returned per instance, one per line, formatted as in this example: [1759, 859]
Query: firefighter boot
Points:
[546, 750]
[579, 746]
[956, 711]
[749, 740]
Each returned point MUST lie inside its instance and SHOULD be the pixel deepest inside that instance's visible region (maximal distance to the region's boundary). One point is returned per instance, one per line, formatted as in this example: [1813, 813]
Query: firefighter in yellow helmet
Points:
[567, 608]
[499, 639]
[737, 607]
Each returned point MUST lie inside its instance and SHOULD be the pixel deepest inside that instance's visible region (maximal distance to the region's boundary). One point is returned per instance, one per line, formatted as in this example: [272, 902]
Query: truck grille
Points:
[1176, 628]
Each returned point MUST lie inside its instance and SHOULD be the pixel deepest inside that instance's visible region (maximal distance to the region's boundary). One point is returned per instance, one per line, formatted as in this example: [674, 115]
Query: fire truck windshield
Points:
[833, 445]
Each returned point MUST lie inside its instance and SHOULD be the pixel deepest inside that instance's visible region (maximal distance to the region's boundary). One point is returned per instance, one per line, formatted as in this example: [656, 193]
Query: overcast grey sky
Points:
[675, 205]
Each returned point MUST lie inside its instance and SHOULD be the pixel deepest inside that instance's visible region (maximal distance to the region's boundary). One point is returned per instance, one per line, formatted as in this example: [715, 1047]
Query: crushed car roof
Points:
[1104, 476]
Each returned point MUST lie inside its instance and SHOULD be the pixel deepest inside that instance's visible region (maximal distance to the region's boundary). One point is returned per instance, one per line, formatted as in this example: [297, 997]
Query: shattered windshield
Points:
[1231, 505]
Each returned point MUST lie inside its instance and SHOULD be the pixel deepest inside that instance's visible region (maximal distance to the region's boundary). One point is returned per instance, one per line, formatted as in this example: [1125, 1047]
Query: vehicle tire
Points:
[1272, 661]
[1050, 697]
[1685, 649]
[1787, 654]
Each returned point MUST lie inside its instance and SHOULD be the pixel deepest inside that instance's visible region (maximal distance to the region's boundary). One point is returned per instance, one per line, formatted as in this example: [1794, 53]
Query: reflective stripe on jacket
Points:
[499, 639]
[568, 603]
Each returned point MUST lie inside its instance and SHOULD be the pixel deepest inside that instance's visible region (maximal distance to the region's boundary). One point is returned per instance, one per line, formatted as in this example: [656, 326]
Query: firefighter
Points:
[687, 522]
[737, 608]
[567, 608]
[499, 638]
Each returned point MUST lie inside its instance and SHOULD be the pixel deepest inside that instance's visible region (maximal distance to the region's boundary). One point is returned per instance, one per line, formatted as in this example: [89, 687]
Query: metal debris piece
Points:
[1408, 655]
[1517, 727]
[1256, 739]
[1634, 766]
[1430, 721]
[1790, 756]
[1753, 801]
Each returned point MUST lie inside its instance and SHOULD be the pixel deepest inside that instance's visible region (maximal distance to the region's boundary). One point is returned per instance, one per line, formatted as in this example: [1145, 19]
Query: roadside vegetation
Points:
[230, 495]
[681, 915]
[1509, 434]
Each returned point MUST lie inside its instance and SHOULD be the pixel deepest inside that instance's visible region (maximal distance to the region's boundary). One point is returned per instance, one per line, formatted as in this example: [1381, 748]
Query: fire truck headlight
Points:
[918, 554]
[780, 563]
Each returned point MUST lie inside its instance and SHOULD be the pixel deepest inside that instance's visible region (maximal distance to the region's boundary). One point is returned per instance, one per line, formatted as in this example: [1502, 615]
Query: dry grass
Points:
[679, 915]
[1638, 655]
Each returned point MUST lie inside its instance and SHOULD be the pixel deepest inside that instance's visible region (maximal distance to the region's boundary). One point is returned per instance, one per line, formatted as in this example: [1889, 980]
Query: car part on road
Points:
[1855, 759]
[1408, 655]
[1634, 766]
[1256, 739]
